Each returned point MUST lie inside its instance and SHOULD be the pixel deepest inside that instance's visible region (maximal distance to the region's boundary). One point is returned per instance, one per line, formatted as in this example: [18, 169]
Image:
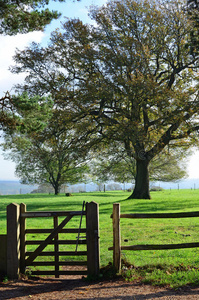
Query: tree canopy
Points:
[22, 16]
[131, 78]
[44, 151]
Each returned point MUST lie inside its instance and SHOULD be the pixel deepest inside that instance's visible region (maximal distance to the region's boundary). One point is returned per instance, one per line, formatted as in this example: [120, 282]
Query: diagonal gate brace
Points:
[39, 249]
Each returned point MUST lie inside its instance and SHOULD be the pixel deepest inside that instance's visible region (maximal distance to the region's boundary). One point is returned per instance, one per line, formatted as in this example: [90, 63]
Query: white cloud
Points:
[193, 166]
[8, 80]
[7, 51]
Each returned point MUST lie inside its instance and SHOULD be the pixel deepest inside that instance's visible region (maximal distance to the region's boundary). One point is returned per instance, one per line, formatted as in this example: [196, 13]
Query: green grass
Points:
[161, 267]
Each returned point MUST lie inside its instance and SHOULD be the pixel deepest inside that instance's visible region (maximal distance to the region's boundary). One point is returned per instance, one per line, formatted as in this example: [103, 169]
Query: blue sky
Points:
[70, 9]
[7, 80]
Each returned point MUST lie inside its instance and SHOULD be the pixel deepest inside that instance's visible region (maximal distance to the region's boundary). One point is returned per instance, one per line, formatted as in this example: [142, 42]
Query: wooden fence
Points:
[18, 259]
[117, 235]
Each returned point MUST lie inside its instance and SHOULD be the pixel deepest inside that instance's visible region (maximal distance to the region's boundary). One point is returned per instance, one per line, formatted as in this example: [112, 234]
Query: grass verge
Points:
[163, 267]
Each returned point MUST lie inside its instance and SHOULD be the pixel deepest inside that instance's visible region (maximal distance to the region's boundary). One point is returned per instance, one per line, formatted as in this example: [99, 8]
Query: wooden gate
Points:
[20, 259]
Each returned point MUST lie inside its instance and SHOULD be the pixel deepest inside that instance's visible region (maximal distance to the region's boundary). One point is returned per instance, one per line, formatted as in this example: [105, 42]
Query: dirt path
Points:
[63, 288]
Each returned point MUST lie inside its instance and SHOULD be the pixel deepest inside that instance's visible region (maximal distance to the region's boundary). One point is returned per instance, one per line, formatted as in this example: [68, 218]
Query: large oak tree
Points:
[131, 77]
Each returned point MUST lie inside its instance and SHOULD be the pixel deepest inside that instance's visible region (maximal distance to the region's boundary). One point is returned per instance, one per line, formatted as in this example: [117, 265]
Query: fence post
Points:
[13, 241]
[22, 239]
[116, 238]
[92, 236]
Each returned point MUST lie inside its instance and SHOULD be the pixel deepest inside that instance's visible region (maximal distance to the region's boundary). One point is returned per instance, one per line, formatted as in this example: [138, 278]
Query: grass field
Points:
[173, 267]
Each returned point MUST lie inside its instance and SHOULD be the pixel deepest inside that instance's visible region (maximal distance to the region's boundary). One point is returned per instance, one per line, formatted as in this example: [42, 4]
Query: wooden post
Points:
[92, 236]
[22, 239]
[13, 241]
[116, 238]
[3, 254]
[56, 249]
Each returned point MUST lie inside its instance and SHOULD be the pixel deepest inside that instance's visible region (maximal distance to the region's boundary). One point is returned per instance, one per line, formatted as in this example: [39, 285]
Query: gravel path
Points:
[65, 288]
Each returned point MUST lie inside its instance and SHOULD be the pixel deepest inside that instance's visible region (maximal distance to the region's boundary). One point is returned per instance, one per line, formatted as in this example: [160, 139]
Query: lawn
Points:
[173, 267]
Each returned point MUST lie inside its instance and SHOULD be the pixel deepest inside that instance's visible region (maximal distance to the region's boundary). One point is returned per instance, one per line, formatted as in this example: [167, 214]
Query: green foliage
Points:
[25, 15]
[20, 111]
[5, 279]
[130, 78]
[44, 151]
[20, 16]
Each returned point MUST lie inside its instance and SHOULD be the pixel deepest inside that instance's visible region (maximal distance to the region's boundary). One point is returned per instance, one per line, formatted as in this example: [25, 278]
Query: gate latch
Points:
[80, 224]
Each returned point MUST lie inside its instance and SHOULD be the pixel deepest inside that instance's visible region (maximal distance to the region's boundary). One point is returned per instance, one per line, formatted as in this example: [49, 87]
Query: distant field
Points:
[174, 267]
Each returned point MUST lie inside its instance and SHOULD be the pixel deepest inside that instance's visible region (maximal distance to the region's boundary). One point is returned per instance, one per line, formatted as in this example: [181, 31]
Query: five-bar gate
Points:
[19, 259]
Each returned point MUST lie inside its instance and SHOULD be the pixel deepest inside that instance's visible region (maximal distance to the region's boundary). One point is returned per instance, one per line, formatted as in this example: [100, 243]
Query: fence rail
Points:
[160, 215]
[117, 235]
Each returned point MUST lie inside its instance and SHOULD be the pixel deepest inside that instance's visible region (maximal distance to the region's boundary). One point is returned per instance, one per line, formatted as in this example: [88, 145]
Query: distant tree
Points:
[169, 165]
[47, 188]
[112, 164]
[114, 187]
[43, 188]
[46, 153]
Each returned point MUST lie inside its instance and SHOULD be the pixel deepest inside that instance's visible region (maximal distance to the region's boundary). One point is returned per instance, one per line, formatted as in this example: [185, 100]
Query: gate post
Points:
[13, 241]
[92, 236]
[116, 238]
[22, 238]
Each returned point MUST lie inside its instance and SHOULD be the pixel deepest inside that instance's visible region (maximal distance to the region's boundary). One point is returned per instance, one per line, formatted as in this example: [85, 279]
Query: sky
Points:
[8, 47]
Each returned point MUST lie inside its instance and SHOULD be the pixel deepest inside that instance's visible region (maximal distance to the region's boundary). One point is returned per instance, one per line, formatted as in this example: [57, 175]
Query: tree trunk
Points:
[57, 189]
[141, 189]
